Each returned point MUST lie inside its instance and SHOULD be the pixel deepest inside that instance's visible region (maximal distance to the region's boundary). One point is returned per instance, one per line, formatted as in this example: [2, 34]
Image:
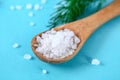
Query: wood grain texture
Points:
[83, 29]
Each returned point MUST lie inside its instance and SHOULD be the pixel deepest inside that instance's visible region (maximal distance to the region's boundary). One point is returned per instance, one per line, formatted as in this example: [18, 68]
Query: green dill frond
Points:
[69, 10]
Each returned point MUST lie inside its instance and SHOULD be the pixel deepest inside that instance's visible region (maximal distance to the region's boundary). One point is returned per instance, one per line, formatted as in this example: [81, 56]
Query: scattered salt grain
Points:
[32, 24]
[37, 7]
[44, 71]
[57, 44]
[27, 56]
[15, 45]
[28, 6]
[30, 14]
[95, 62]
[12, 7]
[43, 1]
[18, 7]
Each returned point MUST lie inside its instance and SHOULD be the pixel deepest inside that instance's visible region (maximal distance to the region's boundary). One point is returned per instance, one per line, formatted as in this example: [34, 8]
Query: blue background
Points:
[104, 44]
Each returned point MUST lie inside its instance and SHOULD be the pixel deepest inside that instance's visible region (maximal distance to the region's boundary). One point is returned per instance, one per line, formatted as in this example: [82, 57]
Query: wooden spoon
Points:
[83, 29]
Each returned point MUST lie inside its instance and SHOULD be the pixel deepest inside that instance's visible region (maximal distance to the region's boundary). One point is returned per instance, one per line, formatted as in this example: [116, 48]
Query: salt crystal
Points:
[43, 1]
[12, 7]
[18, 7]
[27, 56]
[15, 45]
[38, 38]
[32, 24]
[36, 7]
[95, 62]
[28, 6]
[44, 71]
[30, 14]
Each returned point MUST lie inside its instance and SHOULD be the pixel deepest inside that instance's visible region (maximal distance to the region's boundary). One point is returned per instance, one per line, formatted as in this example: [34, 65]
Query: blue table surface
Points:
[103, 44]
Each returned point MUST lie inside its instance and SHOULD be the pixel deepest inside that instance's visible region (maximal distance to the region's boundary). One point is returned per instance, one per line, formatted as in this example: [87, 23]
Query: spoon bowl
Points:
[50, 60]
[83, 29]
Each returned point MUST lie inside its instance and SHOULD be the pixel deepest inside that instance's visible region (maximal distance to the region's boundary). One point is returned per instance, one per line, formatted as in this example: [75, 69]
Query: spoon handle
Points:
[88, 25]
[104, 15]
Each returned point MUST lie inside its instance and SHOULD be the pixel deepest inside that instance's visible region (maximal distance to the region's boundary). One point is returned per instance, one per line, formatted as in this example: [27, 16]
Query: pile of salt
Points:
[57, 44]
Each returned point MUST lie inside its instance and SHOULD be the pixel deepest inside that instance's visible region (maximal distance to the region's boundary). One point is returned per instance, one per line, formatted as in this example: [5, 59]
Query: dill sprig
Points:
[70, 10]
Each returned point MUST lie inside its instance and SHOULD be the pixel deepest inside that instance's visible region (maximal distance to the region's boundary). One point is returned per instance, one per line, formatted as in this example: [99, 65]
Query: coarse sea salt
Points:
[16, 45]
[27, 56]
[32, 24]
[44, 71]
[95, 62]
[57, 44]
[12, 7]
[29, 6]
[36, 7]
[18, 7]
